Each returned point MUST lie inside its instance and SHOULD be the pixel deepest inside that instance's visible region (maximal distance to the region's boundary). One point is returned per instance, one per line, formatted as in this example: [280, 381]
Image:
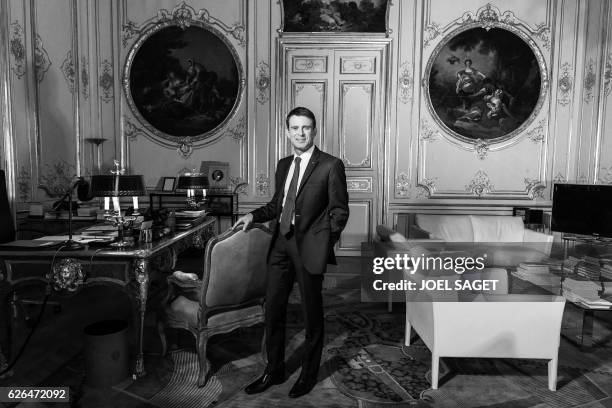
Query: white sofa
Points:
[502, 326]
[475, 228]
[507, 238]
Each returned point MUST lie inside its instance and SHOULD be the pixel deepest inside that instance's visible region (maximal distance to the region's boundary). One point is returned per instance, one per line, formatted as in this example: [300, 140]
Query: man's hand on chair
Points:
[245, 220]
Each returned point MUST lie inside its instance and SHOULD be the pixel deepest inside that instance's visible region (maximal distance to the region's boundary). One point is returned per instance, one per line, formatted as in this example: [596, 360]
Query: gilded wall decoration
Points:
[239, 131]
[538, 133]
[426, 187]
[485, 80]
[605, 175]
[262, 185]
[309, 64]
[56, 177]
[428, 134]
[565, 84]
[432, 31]
[589, 81]
[559, 178]
[131, 130]
[308, 16]
[184, 16]
[402, 185]
[481, 148]
[106, 81]
[85, 78]
[24, 188]
[17, 49]
[535, 188]
[359, 184]
[405, 83]
[185, 147]
[608, 75]
[489, 17]
[68, 71]
[42, 62]
[480, 184]
[238, 186]
[262, 82]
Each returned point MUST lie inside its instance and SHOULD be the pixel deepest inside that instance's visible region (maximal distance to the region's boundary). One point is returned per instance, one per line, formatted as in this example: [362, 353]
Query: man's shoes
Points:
[264, 382]
[301, 387]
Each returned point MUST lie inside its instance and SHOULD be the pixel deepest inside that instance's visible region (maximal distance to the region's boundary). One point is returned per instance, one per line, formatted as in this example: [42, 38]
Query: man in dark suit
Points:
[309, 211]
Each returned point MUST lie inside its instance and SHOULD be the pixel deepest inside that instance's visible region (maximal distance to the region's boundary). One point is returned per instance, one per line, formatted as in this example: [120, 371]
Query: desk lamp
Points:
[115, 186]
[192, 183]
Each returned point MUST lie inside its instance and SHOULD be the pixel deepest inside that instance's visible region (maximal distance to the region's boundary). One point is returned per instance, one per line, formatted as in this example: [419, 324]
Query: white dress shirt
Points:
[305, 159]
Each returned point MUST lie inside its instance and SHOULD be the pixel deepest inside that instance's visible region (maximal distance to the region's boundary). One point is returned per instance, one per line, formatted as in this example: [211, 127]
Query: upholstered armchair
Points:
[229, 295]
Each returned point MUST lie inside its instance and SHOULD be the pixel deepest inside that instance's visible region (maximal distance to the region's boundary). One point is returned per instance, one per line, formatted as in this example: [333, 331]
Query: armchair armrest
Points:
[183, 284]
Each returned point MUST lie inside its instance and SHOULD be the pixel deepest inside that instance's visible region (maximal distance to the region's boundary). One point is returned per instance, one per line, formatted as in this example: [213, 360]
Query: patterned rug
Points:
[367, 362]
[172, 382]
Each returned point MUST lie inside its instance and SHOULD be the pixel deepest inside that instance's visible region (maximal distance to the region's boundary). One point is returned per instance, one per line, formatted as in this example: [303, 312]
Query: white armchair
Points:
[493, 325]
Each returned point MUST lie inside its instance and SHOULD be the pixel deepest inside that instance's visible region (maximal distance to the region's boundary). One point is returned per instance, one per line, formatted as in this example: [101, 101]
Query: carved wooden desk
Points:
[133, 269]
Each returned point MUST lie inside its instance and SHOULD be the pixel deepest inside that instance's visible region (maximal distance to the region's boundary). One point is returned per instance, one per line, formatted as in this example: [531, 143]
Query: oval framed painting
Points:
[183, 81]
[485, 84]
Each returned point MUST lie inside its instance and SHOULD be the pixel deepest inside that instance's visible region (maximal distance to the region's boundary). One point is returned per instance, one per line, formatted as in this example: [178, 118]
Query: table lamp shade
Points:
[129, 185]
[192, 182]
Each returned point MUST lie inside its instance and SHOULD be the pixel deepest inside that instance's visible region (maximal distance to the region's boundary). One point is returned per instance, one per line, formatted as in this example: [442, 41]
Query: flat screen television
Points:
[584, 209]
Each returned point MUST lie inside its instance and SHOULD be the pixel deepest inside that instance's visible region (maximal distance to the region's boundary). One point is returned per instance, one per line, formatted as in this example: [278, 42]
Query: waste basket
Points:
[106, 353]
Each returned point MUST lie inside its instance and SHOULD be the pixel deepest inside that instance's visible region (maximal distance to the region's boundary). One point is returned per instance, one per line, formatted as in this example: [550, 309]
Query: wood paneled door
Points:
[345, 85]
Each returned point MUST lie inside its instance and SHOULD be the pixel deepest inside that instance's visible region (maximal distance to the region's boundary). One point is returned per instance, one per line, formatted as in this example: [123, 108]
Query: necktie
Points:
[287, 214]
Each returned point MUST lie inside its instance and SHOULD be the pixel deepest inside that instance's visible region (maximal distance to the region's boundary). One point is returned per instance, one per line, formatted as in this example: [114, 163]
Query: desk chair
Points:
[230, 294]
[8, 234]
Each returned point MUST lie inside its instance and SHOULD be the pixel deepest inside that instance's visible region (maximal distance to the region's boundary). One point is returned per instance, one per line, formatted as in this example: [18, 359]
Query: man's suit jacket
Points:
[321, 208]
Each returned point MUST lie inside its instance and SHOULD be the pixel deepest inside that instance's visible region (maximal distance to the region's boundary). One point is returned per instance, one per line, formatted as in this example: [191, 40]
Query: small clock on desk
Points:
[218, 174]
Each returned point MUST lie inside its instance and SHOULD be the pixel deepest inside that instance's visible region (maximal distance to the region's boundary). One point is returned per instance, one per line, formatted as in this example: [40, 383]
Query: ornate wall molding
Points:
[239, 131]
[537, 134]
[24, 188]
[402, 185]
[85, 78]
[185, 147]
[17, 49]
[405, 83]
[183, 15]
[68, 70]
[106, 81]
[488, 16]
[131, 130]
[608, 75]
[559, 178]
[55, 177]
[239, 186]
[359, 184]
[605, 175]
[431, 32]
[262, 82]
[565, 84]
[583, 179]
[480, 185]
[589, 81]
[428, 134]
[426, 187]
[262, 185]
[42, 62]
[535, 188]
[481, 148]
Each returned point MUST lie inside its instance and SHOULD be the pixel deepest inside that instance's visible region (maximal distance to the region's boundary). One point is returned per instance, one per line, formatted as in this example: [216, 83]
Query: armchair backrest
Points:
[7, 230]
[235, 269]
